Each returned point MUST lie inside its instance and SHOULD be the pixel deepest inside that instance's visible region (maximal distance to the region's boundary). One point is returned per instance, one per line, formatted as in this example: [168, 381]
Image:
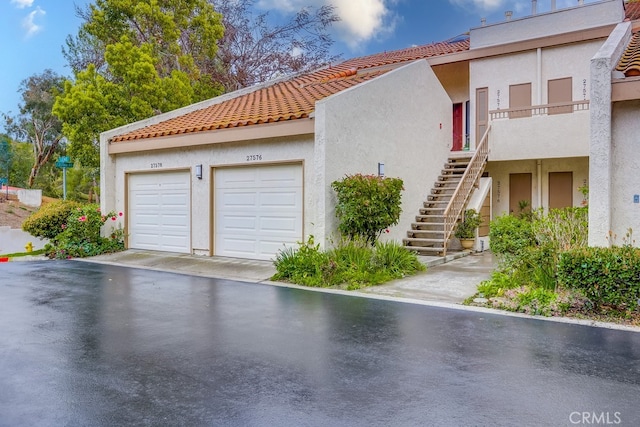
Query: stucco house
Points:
[495, 119]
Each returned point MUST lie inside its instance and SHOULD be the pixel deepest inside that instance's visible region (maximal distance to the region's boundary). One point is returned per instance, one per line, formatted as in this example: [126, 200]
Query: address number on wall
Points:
[156, 165]
[254, 157]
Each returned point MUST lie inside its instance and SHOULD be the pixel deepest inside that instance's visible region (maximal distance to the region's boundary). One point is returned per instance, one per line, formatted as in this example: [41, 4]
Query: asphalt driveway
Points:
[102, 345]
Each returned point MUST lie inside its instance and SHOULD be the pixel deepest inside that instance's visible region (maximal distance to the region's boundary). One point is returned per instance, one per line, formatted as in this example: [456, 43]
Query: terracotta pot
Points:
[467, 244]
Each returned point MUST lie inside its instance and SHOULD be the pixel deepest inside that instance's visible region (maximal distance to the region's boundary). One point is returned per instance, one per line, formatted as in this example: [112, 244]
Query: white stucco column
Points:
[107, 176]
[600, 150]
[320, 193]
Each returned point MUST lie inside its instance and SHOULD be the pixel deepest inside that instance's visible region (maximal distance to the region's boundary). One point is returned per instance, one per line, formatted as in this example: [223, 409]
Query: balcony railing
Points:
[465, 187]
[540, 110]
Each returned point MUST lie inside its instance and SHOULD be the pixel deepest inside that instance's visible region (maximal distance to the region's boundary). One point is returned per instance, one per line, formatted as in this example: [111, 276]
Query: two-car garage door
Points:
[258, 210]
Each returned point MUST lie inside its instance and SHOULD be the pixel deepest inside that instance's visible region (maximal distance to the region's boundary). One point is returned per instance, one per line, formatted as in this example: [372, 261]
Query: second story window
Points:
[560, 92]
[520, 100]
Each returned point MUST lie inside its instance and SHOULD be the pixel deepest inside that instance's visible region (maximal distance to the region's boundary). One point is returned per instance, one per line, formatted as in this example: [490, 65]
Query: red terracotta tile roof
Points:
[290, 99]
[632, 9]
[629, 63]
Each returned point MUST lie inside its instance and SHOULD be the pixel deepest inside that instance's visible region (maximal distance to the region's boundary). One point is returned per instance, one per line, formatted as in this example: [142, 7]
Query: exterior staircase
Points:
[436, 220]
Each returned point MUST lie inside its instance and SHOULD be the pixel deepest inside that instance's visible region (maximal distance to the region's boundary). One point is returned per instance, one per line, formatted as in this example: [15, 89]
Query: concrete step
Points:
[432, 211]
[450, 177]
[426, 250]
[444, 190]
[422, 241]
[428, 226]
[426, 234]
[435, 203]
[427, 218]
[447, 184]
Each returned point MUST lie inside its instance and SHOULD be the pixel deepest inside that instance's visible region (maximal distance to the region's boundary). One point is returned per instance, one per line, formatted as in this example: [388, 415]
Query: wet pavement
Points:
[102, 345]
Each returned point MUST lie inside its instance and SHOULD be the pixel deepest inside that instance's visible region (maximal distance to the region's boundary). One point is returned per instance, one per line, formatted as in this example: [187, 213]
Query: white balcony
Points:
[540, 132]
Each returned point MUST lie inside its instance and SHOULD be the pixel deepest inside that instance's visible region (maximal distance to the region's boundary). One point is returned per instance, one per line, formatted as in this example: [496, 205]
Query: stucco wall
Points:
[272, 151]
[402, 119]
[561, 21]
[565, 135]
[500, 171]
[625, 180]
[601, 166]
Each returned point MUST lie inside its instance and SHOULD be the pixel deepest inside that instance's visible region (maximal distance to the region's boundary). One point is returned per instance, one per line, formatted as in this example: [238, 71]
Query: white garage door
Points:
[159, 213]
[257, 210]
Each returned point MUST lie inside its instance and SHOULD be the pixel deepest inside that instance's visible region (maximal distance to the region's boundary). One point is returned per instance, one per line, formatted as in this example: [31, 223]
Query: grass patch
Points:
[21, 254]
[351, 265]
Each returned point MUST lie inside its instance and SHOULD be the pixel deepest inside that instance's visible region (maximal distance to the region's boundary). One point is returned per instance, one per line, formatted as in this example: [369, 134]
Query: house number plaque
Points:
[254, 157]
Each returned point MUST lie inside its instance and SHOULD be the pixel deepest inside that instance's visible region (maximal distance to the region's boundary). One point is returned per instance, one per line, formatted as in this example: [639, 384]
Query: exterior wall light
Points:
[380, 169]
[199, 171]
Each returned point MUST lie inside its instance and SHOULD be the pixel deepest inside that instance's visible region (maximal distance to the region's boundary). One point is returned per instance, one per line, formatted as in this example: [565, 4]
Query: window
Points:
[560, 92]
[520, 100]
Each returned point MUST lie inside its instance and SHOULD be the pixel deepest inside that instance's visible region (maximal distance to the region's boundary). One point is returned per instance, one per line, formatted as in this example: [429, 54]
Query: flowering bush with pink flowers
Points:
[80, 235]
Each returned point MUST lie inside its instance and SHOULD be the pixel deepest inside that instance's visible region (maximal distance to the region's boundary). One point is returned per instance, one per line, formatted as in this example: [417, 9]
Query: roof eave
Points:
[287, 128]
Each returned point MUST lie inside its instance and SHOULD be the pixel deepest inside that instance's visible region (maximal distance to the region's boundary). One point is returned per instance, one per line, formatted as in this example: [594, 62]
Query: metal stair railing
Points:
[469, 179]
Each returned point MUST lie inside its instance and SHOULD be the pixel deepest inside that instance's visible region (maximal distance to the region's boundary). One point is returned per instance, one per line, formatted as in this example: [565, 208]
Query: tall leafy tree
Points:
[254, 48]
[140, 60]
[133, 59]
[36, 123]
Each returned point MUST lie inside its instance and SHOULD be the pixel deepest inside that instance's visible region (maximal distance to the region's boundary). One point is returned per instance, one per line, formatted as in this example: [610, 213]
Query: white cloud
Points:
[29, 22]
[360, 20]
[21, 4]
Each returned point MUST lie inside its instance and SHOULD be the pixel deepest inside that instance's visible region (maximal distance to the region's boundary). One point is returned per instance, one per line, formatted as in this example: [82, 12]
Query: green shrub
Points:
[393, 257]
[48, 220]
[607, 276]
[529, 248]
[307, 265]
[81, 235]
[497, 285]
[367, 205]
[353, 264]
[510, 236]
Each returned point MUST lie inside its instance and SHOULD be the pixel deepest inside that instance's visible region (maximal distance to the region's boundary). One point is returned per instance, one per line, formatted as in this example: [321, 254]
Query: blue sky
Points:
[32, 32]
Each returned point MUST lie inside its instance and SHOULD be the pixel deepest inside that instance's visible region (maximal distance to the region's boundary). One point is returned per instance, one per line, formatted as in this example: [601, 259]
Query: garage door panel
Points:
[176, 222]
[150, 221]
[237, 223]
[238, 245]
[159, 217]
[279, 199]
[280, 225]
[230, 198]
[237, 178]
[258, 210]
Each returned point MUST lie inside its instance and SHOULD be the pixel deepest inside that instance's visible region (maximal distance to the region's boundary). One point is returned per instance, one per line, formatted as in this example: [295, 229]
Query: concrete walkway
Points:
[450, 282]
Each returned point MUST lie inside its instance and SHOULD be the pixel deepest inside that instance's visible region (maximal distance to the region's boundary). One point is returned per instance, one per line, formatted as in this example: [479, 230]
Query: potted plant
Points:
[466, 230]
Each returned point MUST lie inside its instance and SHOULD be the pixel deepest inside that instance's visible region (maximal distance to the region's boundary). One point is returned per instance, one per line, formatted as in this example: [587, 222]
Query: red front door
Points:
[457, 127]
